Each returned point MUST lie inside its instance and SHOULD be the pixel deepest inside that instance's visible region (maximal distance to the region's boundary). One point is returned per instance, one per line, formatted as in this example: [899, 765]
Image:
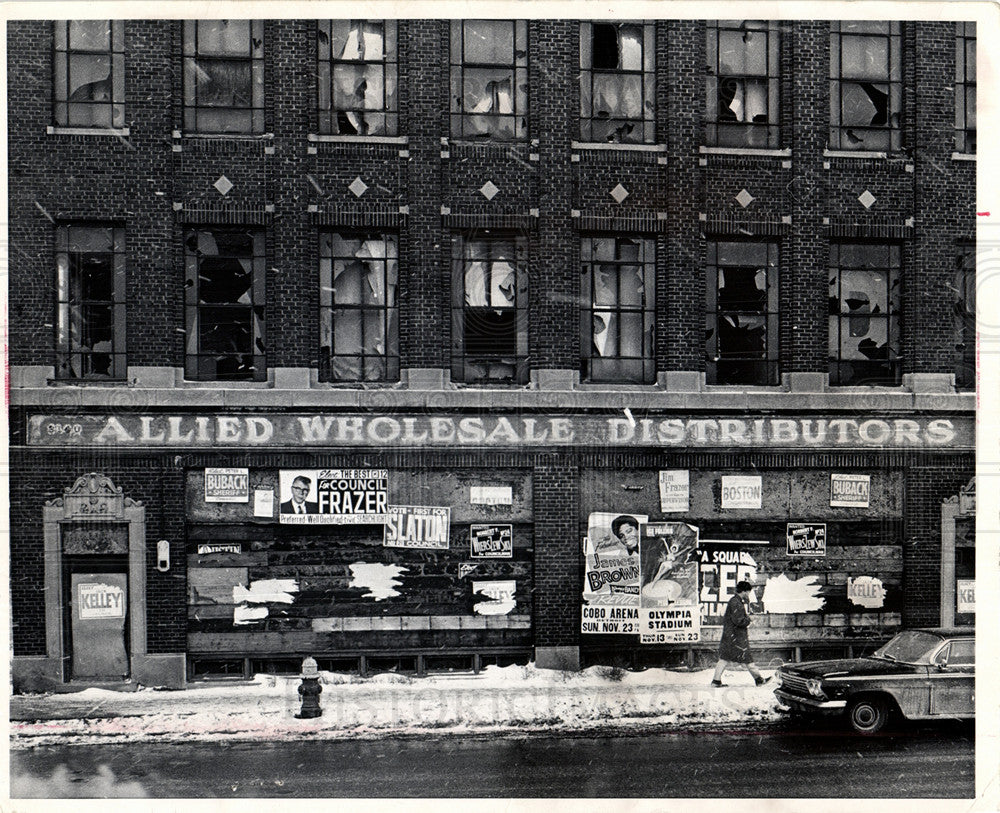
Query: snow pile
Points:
[498, 699]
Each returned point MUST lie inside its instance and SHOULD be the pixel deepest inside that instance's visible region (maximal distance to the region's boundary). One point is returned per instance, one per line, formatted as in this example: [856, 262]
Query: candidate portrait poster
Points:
[333, 496]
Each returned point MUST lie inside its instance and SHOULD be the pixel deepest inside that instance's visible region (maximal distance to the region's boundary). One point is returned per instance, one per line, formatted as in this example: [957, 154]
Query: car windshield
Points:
[911, 646]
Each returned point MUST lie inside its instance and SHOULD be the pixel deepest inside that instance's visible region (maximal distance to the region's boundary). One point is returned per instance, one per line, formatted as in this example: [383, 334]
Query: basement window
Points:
[489, 79]
[224, 296]
[866, 88]
[88, 73]
[357, 77]
[617, 82]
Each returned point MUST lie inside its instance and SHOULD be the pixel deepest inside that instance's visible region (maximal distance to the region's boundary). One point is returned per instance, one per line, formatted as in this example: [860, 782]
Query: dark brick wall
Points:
[558, 569]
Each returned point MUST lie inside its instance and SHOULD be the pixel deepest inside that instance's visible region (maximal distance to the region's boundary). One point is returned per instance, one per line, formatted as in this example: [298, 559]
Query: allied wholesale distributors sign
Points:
[419, 430]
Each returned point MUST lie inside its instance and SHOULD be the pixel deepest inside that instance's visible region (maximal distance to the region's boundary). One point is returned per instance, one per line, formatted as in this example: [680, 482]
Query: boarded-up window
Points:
[88, 73]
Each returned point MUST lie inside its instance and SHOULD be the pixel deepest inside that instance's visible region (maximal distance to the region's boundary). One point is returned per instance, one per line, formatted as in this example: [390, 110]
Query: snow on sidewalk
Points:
[498, 699]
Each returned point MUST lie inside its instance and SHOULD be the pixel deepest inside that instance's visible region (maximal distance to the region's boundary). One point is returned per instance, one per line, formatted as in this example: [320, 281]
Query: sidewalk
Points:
[500, 699]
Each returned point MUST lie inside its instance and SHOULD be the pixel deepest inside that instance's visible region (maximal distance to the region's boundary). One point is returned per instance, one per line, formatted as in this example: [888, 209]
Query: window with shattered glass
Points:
[741, 314]
[358, 314]
[617, 82]
[489, 79]
[865, 305]
[964, 306]
[965, 87]
[617, 289]
[90, 302]
[224, 76]
[88, 73]
[224, 297]
[866, 90]
[489, 309]
[357, 77]
[742, 84]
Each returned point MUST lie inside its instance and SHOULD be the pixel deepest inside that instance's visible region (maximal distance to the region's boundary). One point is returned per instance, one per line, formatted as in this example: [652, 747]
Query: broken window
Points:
[742, 85]
[357, 77]
[617, 287]
[89, 73]
[358, 316]
[90, 302]
[224, 76]
[617, 82]
[224, 295]
[865, 309]
[865, 85]
[489, 79]
[965, 87]
[741, 314]
[489, 309]
[965, 316]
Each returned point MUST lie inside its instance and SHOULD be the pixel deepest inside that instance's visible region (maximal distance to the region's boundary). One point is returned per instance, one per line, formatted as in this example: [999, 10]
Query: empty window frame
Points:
[965, 316]
[358, 315]
[489, 309]
[357, 77]
[617, 289]
[88, 73]
[866, 91]
[741, 314]
[865, 299]
[224, 297]
[90, 302]
[742, 85]
[489, 79]
[965, 87]
[224, 76]
[617, 82]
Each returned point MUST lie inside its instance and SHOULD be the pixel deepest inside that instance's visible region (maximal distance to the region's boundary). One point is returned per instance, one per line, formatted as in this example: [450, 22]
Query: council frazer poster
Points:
[333, 496]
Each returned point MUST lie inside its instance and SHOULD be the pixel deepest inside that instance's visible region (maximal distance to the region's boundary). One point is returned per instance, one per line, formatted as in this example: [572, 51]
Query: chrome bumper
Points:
[809, 702]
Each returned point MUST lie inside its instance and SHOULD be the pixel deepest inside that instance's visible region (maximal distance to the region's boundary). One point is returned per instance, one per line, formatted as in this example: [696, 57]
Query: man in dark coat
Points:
[734, 648]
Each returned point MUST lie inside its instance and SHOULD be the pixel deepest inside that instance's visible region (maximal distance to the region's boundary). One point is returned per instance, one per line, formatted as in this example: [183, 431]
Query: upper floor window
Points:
[965, 316]
[89, 73]
[489, 327]
[866, 90]
[489, 79]
[742, 90]
[741, 331]
[90, 307]
[224, 297]
[224, 76]
[358, 315]
[617, 82]
[965, 87]
[865, 309]
[617, 288]
[357, 77]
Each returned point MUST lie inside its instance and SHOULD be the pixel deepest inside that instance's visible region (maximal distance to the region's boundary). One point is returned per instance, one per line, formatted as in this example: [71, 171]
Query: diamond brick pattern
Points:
[358, 187]
[223, 185]
[488, 190]
[867, 199]
[744, 198]
[619, 193]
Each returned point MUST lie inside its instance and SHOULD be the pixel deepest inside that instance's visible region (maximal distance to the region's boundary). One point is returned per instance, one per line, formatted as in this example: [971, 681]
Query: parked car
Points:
[921, 674]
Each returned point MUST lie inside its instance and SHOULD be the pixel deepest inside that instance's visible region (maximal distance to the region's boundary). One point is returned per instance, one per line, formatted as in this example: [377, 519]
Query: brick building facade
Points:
[540, 261]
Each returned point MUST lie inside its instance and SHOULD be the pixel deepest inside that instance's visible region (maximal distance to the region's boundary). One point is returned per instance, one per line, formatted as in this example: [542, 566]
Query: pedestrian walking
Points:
[734, 648]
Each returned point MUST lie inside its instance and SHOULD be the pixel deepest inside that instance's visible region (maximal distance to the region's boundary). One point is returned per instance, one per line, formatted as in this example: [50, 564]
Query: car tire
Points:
[868, 714]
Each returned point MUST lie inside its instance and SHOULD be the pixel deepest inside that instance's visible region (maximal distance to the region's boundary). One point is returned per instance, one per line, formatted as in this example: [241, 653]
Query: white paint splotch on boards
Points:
[866, 591]
[782, 595]
[500, 595]
[380, 580]
[251, 605]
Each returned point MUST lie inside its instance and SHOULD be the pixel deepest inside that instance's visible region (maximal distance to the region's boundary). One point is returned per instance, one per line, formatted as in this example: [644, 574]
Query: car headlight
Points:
[815, 687]
[777, 679]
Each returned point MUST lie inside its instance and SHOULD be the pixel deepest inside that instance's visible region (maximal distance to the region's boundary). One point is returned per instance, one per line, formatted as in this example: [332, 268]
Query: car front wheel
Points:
[868, 714]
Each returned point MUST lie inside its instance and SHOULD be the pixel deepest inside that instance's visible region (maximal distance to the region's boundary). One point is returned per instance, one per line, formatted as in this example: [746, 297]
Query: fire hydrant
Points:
[310, 690]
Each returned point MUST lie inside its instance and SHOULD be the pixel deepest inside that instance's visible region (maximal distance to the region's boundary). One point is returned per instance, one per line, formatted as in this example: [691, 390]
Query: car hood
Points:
[848, 667]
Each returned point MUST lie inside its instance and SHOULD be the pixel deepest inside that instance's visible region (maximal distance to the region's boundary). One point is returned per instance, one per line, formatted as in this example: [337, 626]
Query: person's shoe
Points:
[718, 684]
[761, 680]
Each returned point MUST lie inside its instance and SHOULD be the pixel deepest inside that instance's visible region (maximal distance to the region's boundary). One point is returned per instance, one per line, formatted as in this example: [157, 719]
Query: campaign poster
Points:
[227, 485]
[333, 496]
[722, 564]
[965, 595]
[806, 538]
[498, 598]
[611, 573]
[850, 490]
[669, 610]
[491, 541]
[741, 491]
[417, 526]
[675, 490]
